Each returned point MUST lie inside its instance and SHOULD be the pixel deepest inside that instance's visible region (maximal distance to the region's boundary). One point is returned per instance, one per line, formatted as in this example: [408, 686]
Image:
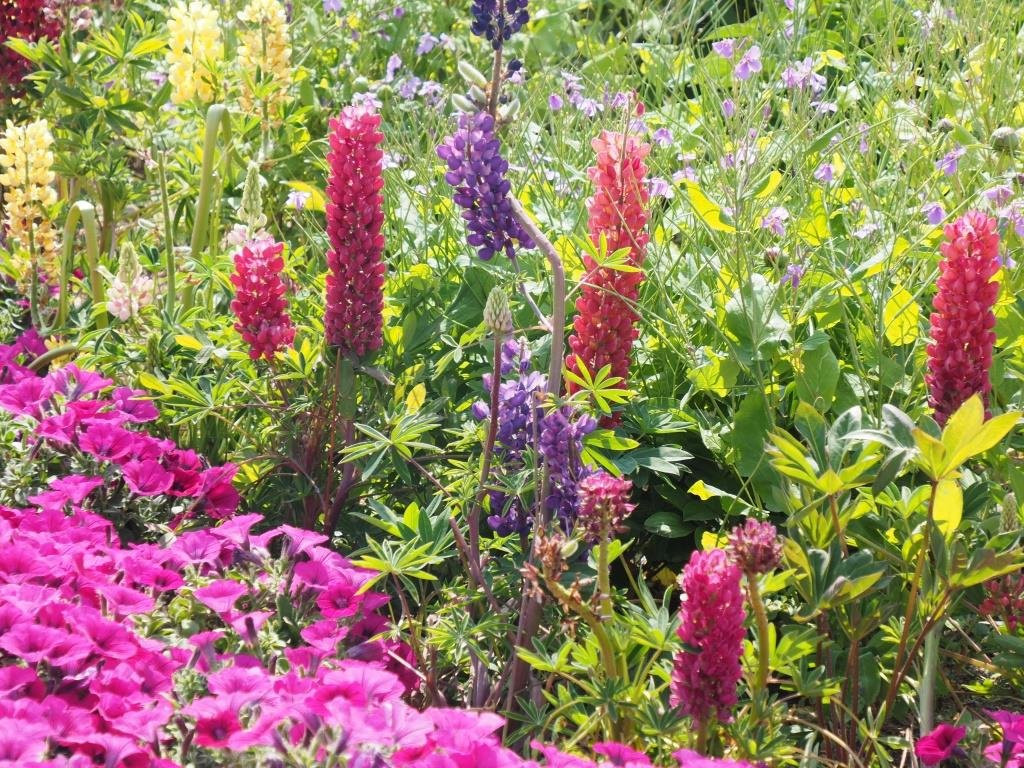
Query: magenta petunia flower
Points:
[76, 487]
[711, 623]
[216, 720]
[147, 478]
[940, 744]
[220, 596]
[134, 405]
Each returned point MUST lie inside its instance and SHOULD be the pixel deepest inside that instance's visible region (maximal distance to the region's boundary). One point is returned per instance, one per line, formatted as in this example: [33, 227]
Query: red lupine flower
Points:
[605, 326]
[259, 300]
[29, 20]
[961, 353]
[1004, 599]
[355, 214]
[604, 505]
[710, 622]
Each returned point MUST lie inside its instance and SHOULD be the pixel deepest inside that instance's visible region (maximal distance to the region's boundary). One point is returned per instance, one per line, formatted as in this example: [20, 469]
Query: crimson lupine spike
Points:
[962, 324]
[604, 505]
[605, 326]
[353, 318]
[259, 302]
[476, 170]
[29, 20]
[711, 616]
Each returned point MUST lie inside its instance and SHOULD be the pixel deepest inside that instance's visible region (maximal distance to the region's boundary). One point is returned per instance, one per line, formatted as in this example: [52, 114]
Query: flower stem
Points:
[214, 116]
[763, 652]
[170, 266]
[926, 692]
[485, 467]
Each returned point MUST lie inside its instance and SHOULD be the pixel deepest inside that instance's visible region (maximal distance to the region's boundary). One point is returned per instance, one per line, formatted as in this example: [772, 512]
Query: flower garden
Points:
[511, 383]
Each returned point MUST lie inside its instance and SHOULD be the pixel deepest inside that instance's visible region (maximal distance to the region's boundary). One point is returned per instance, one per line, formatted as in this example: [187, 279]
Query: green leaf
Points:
[668, 524]
[967, 433]
[948, 506]
[818, 376]
[707, 211]
[749, 433]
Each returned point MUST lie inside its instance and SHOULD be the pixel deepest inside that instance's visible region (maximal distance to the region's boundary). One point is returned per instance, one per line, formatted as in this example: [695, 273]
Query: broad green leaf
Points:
[708, 212]
[967, 433]
[416, 397]
[948, 508]
[668, 524]
[901, 315]
[188, 342]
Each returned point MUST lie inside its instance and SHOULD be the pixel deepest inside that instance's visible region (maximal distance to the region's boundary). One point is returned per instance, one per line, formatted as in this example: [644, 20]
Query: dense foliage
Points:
[511, 383]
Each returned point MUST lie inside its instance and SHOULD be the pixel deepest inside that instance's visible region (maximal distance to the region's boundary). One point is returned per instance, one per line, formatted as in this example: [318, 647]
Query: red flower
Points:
[259, 300]
[961, 354]
[29, 20]
[605, 326]
[355, 214]
[940, 744]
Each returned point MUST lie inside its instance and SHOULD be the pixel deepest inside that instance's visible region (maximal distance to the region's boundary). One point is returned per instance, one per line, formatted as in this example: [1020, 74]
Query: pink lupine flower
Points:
[259, 302]
[711, 621]
[755, 547]
[605, 326]
[604, 505]
[1004, 599]
[689, 759]
[353, 317]
[960, 355]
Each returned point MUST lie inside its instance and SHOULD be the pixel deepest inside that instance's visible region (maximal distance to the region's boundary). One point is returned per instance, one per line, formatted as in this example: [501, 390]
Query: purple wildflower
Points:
[800, 76]
[728, 108]
[555, 102]
[999, 194]
[297, 199]
[498, 27]
[725, 48]
[862, 145]
[755, 547]
[824, 172]
[950, 161]
[427, 43]
[393, 65]
[332, 6]
[934, 212]
[476, 170]
[776, 221]
[561, 443]
[749, 63]
[794, 274]
[662, 137]
[659, 187]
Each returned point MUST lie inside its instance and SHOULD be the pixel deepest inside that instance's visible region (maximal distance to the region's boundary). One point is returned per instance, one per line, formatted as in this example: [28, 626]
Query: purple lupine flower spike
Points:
[489, 21]
[476, 170]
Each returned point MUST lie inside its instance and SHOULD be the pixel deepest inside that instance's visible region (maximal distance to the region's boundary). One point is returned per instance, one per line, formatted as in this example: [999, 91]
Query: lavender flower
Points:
[824, 172]
[498, 27]
[999, 194]
[862, 145]
[555, 102]
[427, 43]
[393, 65]
[662, 137]
[332, 6]
[749, 63]
[776, 221]
[794, 274]
[950, 161]
[800, 75]
[725, 48]
[728, 108]
[476, 170]
[297, 199]
[934, 212]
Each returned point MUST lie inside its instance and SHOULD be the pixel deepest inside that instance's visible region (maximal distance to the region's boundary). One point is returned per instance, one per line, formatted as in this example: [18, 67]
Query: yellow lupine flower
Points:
[264, 53]
[194, 50]
[26, 176]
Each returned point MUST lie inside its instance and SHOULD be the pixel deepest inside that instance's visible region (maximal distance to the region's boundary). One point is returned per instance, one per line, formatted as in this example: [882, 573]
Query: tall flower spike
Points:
[29, 20]
[26, 175]
[259, 302]
[131, 288]
[477, 170]
[264, 55]
[960, 355]
[710, 622]
[194, 50]
[498, 20]
[605, 325]
[353, 317]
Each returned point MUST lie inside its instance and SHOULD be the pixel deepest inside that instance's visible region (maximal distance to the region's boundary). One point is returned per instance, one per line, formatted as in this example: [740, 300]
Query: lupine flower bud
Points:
[26, 176]
[710, 620]
[264, 54]
[194, 50]
[561, 445]
[1009, 518]
[353, 318]
[497, 27]
[755, 547]
[604, 328]
[962, 324]
[497, 315]
[259, 302]
[131, 289]
[251, 209]
[1004, 599]
[477, 170]
[604, 505]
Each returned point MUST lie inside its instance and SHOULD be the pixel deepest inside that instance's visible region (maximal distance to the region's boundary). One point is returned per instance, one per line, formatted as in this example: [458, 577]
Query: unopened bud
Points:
[1005, 139]
[477, 95]
[497, 315]
[463, 104]
[945, 125]
[472, 75]
[509, 111]
[1010, 519]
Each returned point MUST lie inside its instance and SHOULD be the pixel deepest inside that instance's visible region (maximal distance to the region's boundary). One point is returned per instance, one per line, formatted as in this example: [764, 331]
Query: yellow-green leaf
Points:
[949, 506]
[416, 397]
[188, 342]
[712, 540]
[149, 381]
[967, 433]
[708, 212]
[901, 317]
[702, 491]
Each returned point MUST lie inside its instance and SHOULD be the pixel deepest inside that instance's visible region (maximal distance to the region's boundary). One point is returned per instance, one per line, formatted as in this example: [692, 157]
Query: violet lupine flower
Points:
[934, 212]
[353, 318]
[604, 505]
[561, 443]
[498, 27]
[477, 170]
[755, 547]
[776, 221]
[749, 63]
[951, 160]
[711, 621]
[962, 324]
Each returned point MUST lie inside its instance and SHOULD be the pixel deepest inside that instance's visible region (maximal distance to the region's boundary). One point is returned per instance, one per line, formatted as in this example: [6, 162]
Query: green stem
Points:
[763, 652]
[50, 355]
[84, 212]
[926, 690]
[214, 117]
[170, 265]
[604, 584]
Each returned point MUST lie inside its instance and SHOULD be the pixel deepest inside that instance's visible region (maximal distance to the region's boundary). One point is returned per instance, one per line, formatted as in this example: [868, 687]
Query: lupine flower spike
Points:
[960, 354]
[711, 623]
[28, 20]
[353, 318]
[194, 51]
[477, 170]
[498, 20]
[26, 175]
[605, 326]
[264, 54]
[259, 300]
